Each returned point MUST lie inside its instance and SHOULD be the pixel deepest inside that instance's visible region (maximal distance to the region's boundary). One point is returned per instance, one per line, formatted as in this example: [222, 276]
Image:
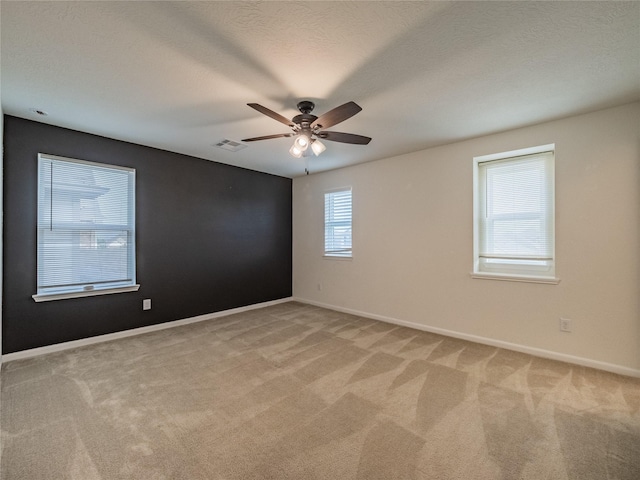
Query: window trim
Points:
[329, 255]
[47, 297]
[90, 290]
[518, 275]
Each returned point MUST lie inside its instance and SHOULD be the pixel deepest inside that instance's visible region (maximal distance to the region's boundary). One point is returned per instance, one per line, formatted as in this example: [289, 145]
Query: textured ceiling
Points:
[178, 75]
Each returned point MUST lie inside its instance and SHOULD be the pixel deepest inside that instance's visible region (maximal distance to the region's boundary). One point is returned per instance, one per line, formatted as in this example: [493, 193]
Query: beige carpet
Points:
[299, 392]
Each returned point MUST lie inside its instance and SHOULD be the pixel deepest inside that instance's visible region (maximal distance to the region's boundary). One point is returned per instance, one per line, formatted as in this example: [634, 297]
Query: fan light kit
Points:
[309, 129]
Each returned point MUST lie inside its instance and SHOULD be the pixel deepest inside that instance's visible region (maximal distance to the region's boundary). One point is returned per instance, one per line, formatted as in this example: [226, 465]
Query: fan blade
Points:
[337, 115]
[271, 113]
[267, 137]
[344, 137]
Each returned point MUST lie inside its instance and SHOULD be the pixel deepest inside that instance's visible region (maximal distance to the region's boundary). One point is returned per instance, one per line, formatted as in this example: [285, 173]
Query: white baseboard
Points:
[563, 357]
[538, 352]
[33, 352]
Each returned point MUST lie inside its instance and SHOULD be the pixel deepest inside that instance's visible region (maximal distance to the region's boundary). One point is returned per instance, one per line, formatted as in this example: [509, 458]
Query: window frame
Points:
[44, 294]
[510, 269]
[332, 254]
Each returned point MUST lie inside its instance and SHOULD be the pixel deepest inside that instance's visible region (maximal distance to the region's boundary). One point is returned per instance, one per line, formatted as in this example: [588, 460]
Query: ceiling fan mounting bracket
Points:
[305, 106]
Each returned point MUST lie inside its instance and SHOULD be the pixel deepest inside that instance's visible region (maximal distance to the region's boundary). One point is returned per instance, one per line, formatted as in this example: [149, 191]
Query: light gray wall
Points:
[412, 240]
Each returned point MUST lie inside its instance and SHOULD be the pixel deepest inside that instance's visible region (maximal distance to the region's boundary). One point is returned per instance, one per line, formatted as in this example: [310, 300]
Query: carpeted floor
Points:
[299, 392]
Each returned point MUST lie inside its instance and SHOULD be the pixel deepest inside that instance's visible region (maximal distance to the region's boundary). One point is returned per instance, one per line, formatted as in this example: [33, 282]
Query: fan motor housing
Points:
[304, 119]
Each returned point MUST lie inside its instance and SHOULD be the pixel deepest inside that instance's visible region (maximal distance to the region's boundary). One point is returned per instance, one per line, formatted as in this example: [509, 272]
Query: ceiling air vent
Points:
[230, 145]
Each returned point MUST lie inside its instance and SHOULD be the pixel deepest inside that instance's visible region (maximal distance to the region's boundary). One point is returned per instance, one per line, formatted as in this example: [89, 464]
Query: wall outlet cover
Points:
[565, 325]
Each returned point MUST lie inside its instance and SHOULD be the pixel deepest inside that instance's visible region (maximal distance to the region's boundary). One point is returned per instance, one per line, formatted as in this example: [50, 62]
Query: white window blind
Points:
[86, 233]
[515, 215]
[337, 223]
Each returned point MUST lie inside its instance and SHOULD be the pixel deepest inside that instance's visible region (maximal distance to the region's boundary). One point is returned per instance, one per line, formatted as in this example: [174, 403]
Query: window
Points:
[86, 233]
[514, 215]
[337, 223]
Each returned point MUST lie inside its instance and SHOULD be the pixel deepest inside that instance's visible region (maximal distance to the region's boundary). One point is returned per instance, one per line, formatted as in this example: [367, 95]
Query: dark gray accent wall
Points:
[209, 237]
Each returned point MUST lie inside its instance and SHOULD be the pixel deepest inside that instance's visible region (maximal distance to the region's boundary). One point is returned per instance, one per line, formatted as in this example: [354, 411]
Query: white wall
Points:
[412, 240]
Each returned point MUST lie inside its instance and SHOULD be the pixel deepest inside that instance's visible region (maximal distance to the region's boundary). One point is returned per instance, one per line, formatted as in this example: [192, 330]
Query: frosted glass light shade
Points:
[302, 142]
[295, 151]
[318, 147]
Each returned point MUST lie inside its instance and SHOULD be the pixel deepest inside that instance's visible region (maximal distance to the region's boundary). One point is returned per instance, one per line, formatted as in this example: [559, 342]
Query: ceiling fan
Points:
[309, 129]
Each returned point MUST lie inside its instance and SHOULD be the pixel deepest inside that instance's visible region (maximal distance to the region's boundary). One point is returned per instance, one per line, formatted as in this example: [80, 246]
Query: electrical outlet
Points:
[565, 325]
[319, 287]
[146, 304]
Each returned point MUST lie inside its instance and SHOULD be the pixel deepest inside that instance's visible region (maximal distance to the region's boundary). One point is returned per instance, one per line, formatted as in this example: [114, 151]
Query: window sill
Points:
[90, 293]
[336, 257]
[515, 278]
